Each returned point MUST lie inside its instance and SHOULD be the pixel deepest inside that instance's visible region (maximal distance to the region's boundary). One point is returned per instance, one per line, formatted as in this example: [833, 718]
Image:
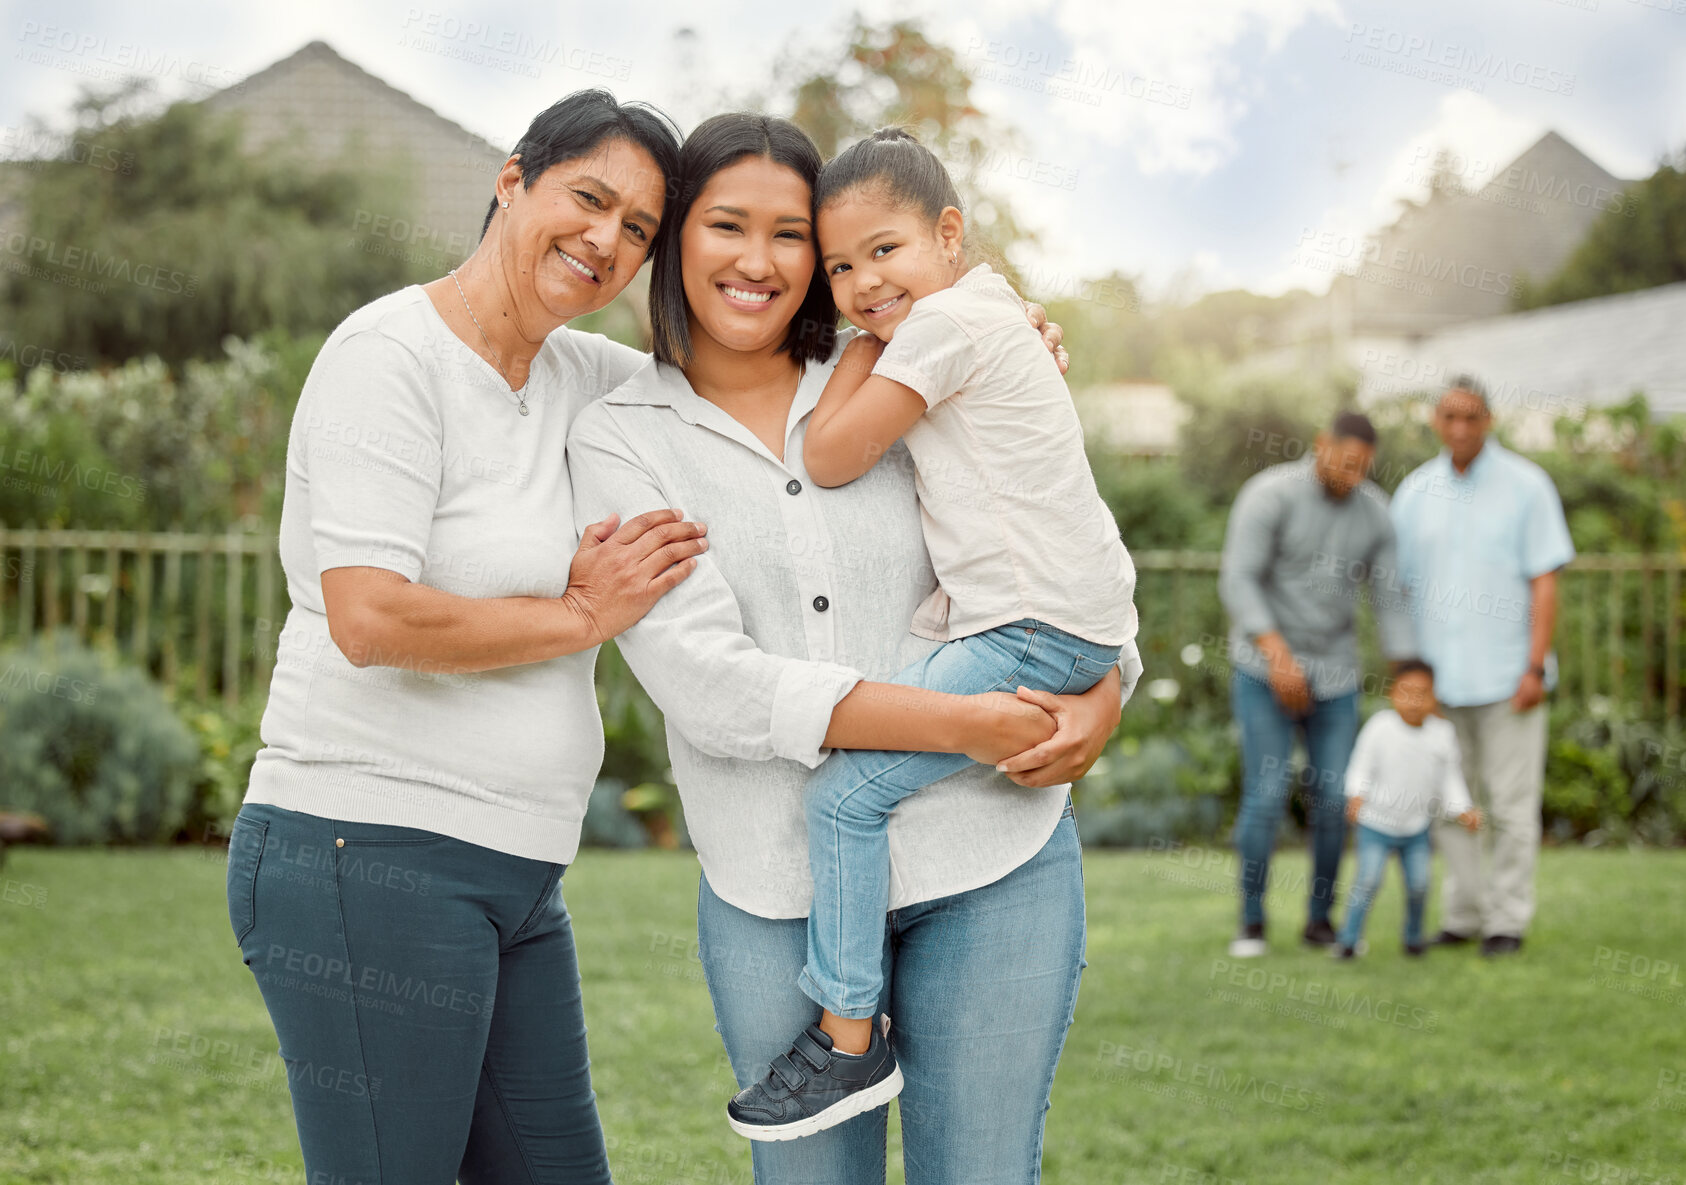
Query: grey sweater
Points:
[1295, 558]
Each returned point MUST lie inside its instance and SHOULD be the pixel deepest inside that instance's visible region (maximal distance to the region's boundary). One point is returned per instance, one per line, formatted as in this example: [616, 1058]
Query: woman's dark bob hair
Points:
[716, 144]
[571, 127]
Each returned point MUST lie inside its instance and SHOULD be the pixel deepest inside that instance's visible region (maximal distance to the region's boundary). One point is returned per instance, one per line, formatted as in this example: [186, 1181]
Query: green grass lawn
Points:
[134, 1047]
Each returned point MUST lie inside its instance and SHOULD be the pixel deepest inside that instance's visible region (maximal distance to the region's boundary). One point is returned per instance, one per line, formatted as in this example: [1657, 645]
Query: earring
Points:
[505, 205]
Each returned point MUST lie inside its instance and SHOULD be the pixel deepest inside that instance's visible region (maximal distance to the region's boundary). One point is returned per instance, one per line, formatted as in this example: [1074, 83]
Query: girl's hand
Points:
[860, 355]
[1352, 805]
[1052, 335]
[1083, 724]
[1000, 725]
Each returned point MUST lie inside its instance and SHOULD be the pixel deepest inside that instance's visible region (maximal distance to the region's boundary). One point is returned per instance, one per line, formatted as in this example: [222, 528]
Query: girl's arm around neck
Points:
[858, 417]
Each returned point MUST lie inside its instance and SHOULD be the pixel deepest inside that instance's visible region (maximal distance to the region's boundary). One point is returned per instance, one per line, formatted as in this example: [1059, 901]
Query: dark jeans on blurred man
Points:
[1267, 744]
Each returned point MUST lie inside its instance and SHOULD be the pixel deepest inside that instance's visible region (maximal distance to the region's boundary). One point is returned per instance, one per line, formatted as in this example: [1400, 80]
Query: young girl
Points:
[1036, 586]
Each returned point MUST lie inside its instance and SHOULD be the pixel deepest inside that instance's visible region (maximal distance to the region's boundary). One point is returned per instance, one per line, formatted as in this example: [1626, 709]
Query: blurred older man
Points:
[1481, 539]
[1303, 539]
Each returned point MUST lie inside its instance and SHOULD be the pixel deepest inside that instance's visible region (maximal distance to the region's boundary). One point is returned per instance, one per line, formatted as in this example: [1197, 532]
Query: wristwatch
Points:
[1537, 670]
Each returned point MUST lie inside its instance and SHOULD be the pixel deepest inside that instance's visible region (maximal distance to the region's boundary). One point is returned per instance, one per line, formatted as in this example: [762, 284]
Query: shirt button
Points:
[821, 604]
[339, 843]
[793, 486]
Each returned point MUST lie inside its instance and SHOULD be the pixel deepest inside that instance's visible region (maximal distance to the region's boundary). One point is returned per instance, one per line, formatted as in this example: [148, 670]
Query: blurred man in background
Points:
[1481, 539]
[1302, 539]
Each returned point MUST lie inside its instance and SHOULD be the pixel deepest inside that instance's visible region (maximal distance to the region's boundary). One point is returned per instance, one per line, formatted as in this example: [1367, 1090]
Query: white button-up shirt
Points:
[803, 592]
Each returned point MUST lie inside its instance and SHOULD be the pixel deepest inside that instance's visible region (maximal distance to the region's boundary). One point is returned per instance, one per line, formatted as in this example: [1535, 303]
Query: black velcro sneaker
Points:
[814, 1087]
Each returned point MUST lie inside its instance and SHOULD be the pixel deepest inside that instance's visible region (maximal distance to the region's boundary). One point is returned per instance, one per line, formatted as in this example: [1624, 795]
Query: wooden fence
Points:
[203, 612]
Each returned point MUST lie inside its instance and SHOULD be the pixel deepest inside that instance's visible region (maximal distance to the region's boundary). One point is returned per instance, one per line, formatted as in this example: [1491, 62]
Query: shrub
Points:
[227, 739]
[1614, 778]
[1142, 791]
[92, 747]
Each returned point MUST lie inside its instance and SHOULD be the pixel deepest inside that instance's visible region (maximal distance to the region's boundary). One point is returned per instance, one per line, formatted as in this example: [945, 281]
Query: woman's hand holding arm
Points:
[1084, 724]
[378, 617]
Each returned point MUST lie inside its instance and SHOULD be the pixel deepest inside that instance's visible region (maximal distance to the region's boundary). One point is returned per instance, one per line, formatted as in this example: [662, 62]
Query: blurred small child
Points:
[1404, 773]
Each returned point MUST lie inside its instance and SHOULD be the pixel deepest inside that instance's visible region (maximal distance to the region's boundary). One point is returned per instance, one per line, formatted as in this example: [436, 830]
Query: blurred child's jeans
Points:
[1267, 743]
[851, 795]
[1416, 855]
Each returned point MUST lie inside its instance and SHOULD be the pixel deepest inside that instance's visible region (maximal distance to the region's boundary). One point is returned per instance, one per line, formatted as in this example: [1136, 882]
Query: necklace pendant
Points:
[523, 409]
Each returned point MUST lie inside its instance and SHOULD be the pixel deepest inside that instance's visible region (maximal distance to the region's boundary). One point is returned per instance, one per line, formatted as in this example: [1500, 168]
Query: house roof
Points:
[1460, 255]
[320, 53]
[334, 108]
[1563, 359]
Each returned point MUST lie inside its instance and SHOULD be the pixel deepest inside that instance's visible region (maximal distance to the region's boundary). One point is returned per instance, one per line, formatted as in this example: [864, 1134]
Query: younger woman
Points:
[1036, 586]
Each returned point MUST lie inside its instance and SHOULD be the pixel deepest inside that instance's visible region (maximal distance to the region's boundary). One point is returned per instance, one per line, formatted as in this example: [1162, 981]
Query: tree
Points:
[1639, 242]
[895, 74]
[171, 238]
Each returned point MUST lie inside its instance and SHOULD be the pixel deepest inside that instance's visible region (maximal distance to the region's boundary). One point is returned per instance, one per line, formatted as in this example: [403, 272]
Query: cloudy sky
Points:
[1194, 143]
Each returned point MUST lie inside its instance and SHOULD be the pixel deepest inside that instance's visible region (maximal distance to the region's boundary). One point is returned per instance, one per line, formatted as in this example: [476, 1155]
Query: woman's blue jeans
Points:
[851, 795]
[1267, 743]
[427, 999]
[1416, 857]
[981, 987]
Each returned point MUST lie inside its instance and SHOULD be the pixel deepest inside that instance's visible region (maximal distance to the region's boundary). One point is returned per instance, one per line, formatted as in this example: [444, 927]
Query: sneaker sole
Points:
[841, 1111]
[1248, 948]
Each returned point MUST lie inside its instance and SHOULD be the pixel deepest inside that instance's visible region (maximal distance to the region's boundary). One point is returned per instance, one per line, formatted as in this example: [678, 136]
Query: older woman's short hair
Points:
[716, 144]
[571, 127]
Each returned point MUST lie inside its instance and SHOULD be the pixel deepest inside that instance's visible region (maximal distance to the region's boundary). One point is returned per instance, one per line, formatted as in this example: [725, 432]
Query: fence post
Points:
[50, 586]
[79, 589]
[172, 626]
[234, 605]
[26, 588]
[143, 603]
[113, 594]
[1671, 685]
[1647, 634]
[202, 620]
[263, 649]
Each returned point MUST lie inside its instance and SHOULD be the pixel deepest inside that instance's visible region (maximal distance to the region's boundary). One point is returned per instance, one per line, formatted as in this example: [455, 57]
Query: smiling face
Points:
[1461, 419]
[575, 239]
[1343, 462]
[1412, 696]
[879, 258]
[746, 253]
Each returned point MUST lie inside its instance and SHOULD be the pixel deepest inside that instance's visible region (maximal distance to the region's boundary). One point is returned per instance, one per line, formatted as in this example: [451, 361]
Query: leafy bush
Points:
[1156, 789]
[1612, 778]
[139, 447]
[92, 747]
[228, 741]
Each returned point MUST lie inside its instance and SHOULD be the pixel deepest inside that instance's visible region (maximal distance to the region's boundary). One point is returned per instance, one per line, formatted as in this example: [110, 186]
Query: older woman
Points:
[760, 659]
[432, 733]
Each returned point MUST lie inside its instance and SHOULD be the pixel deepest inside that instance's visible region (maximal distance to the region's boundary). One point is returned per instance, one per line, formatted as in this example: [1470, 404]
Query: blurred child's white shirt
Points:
[1406, 776]
[1012, 518]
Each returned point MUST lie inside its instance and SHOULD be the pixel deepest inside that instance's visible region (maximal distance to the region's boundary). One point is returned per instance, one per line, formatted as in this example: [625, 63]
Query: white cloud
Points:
[1158, 80]
[1472, 137]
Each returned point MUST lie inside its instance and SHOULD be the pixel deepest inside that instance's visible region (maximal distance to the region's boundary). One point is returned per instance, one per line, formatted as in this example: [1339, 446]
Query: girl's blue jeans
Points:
[981, 985]
[427, 999]
[851, 795]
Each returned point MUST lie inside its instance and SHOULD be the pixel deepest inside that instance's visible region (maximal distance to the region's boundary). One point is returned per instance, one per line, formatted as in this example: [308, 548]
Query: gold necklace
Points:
[520, 395]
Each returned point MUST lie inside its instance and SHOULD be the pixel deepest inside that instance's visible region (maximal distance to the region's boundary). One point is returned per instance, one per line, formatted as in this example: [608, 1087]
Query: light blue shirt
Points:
[1468, 546]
